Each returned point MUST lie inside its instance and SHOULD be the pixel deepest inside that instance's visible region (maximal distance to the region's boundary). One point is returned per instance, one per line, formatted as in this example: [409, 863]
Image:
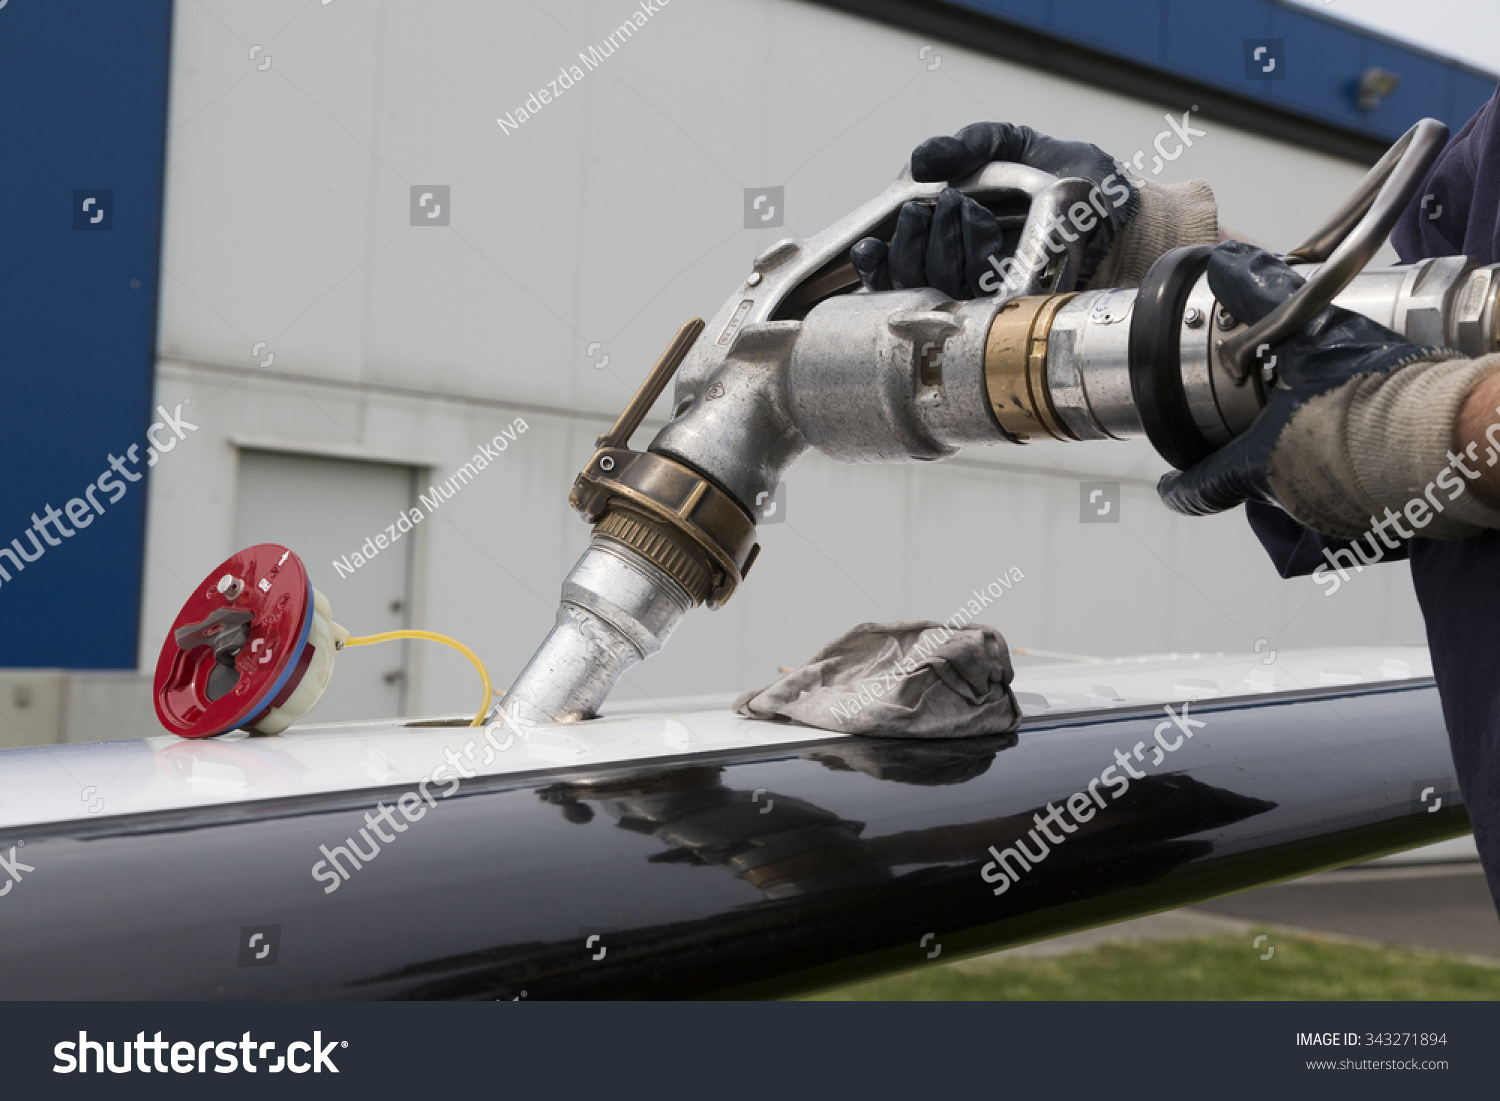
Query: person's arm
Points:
[1477, 432]
[1296, 550]
[1365, 433]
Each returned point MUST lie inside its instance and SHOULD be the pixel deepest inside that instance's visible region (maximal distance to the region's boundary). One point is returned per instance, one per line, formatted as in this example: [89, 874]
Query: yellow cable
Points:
[433, 636]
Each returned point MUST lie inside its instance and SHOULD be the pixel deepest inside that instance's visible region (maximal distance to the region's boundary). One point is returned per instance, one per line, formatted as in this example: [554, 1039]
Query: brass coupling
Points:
[1015, 367]
[665, 511]
[661, 544]
[672, 516]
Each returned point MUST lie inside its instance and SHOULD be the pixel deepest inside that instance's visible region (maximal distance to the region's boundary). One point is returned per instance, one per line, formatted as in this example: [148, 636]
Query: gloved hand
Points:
[1360, 420]
[948, 246]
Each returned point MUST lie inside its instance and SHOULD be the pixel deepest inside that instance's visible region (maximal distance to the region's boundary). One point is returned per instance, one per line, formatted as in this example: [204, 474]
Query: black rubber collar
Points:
[1156, 356]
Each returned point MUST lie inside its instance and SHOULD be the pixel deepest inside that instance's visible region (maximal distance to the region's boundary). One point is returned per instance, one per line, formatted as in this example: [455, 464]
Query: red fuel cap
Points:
[239, 647]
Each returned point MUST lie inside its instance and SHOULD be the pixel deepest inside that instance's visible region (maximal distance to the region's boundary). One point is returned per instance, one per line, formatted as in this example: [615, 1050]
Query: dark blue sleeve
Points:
[1457, 208]
[1297, 551]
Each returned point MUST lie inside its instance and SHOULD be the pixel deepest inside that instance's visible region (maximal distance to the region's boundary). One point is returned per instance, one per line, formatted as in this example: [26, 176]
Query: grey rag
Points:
[899, 680]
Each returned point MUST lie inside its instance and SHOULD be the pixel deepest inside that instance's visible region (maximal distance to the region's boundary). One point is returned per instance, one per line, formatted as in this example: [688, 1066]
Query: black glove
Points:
[1333, 350]
[949, 246]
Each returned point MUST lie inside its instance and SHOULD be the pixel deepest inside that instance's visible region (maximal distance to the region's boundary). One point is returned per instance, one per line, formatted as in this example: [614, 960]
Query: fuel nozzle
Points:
[666, 539]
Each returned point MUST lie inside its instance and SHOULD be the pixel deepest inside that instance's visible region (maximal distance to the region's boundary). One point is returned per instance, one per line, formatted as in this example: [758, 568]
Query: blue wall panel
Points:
[1323, 65]
[1205, 39]
[1423, 91]
[1323, 57]
[1133, 29]
[86, 85]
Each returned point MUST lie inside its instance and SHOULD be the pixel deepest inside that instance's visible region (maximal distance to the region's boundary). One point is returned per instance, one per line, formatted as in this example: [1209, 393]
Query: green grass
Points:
[1221, 968]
